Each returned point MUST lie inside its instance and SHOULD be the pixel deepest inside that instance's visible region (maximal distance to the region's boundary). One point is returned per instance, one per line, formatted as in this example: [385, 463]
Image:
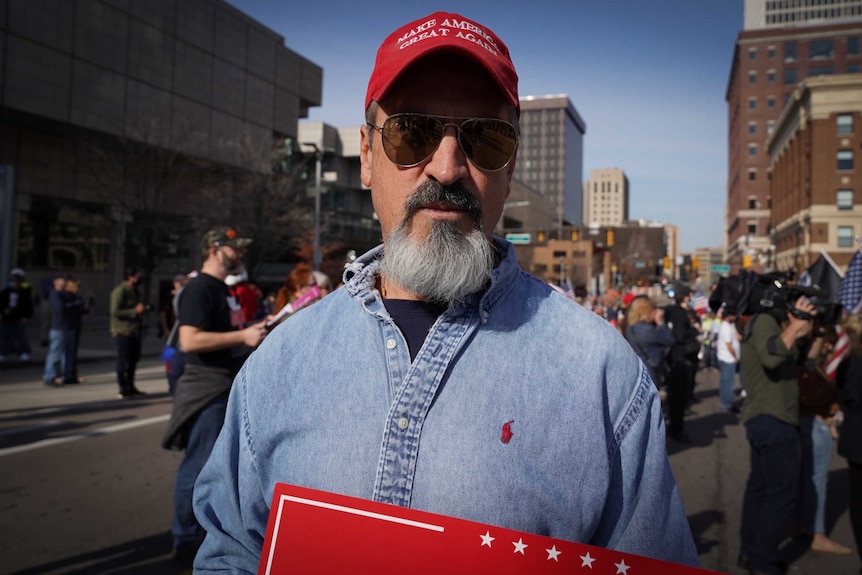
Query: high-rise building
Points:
[551, 153]
[606, 197]
[768, 64]
[785, 13]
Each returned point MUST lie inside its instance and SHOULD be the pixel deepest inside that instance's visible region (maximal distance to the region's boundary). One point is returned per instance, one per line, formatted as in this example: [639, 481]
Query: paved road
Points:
[85, 487]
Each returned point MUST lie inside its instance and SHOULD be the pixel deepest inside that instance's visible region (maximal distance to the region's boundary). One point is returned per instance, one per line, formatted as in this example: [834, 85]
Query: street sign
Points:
[640, 265]
[720, 268]
[518, 238]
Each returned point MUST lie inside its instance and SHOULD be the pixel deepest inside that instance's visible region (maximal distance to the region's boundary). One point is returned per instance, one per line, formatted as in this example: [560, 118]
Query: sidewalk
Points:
[96, 343]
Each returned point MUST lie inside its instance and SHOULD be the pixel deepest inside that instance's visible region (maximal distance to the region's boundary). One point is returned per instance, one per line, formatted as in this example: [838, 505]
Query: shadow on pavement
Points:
[701, 523]
[140, 557]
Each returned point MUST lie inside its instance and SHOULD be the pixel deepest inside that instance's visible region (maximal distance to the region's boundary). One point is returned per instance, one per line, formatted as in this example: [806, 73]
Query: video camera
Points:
[749, 293]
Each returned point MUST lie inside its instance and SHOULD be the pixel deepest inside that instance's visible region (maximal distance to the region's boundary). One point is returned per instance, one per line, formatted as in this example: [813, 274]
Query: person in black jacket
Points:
[849, 383]
[16, 309]
[682, 366]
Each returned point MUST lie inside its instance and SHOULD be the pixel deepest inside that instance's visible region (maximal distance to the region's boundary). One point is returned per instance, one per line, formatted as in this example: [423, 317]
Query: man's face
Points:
[59, 284]
[231, 259]
[446, 86]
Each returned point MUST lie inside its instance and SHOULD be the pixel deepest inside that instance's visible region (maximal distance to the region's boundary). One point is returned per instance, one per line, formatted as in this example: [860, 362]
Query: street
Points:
[86, 487]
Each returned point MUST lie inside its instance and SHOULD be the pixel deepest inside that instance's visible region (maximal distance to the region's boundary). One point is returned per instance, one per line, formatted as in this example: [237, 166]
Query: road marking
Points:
[93, 433]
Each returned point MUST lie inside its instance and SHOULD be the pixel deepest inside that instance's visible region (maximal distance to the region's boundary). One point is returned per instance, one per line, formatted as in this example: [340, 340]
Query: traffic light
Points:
[667, 262]
[746, 261]
[540, 236]
[575, 234]
[695, 266]
[610, 241]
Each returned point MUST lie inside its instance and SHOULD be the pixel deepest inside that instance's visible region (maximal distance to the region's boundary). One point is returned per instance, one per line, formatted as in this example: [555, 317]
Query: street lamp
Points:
[318, 169]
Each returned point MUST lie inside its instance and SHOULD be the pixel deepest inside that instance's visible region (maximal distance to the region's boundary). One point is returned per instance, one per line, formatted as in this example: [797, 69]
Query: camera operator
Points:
[770, 347]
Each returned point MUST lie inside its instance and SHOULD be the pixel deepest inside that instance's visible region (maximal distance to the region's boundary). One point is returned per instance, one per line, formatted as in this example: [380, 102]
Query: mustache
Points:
[432, 192]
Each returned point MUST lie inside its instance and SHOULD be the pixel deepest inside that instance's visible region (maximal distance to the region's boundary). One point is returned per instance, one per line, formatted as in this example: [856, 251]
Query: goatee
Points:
[448, 265]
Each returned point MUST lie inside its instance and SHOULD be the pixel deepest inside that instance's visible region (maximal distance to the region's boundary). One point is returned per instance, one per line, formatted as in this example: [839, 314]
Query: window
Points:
[752, 77]
[789, 76]
[770, 126]
[845, 236]
[844, 124]
[853, 46]
[752, 228]
[821, 49]
[845, 159]
[852, 68]
[790, 51]
[752, 175]
[821, 71]
[770, 76]
[752, 128]
[770, 102]
[752, 150]
[752, 203]
[752, 103]
[770, 52]
[752, 53]
[844, 199]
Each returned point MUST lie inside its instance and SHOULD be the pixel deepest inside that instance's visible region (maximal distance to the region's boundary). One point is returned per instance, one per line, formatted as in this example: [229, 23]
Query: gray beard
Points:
[445, 267]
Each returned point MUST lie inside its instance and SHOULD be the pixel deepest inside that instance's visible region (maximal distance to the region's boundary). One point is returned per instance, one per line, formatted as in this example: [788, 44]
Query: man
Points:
[127, 317]
[214, 345]
[16, 309]
[770, 414]
[727, 353]
[414, 384]
[56, 319]
[683, 362]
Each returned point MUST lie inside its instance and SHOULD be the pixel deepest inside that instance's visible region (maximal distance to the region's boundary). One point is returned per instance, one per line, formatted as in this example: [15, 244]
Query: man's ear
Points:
[365, 155]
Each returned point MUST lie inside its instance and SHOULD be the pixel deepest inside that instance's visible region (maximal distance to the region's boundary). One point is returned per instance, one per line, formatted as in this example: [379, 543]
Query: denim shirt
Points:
[331, 401]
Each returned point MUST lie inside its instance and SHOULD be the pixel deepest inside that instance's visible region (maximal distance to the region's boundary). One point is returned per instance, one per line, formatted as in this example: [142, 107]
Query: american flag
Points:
[700, 304]
[311, 531]
[850, 292]
[850, 296]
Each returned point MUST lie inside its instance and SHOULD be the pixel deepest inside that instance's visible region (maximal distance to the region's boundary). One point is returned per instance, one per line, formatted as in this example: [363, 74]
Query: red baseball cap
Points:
[439, 32]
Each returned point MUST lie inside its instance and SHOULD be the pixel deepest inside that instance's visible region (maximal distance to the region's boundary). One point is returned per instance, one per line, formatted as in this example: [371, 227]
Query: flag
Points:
[850, 292]
[839, 352]
[312, 531]
[700, 304]
[823, 275]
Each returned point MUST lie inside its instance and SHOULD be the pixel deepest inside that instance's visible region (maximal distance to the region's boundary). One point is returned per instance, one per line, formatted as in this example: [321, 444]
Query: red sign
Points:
[314, 531]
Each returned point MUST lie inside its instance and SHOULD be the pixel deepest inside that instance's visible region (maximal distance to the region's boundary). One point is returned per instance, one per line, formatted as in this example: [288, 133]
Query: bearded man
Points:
[441, 376]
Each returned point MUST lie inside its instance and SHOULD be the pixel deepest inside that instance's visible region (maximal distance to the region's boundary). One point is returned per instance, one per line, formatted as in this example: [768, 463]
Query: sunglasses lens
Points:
[409, 139]
[489, 143]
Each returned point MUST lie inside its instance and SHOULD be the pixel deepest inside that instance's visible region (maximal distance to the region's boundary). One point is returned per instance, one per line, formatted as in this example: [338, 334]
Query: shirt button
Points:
[403, 423]
[391, 343]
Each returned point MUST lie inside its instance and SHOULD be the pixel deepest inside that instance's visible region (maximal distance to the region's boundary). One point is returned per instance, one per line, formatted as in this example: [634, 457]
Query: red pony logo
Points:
[506, 436]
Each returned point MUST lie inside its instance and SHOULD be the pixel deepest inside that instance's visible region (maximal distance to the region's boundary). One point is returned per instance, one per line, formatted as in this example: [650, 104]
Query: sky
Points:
[647, 76]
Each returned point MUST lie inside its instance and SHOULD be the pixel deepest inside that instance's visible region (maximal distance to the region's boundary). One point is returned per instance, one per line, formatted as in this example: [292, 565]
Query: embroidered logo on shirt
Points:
[506, 436]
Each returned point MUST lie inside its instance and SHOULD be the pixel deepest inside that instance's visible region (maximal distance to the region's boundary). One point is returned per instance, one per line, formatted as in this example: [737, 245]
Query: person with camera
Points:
[127, 321]
[770, 414]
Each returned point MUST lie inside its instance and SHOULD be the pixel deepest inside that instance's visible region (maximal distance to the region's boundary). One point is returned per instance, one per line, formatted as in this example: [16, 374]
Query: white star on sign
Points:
[486, 539]
[622, 567]
[553, 553]
[519, 546]
[587, 561]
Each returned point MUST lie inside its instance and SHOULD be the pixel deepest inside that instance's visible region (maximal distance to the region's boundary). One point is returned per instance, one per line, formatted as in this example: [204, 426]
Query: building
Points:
[761, 14]
[606, 197]
[770, 59]
[551, 153]
[104, 104]
[815, 176]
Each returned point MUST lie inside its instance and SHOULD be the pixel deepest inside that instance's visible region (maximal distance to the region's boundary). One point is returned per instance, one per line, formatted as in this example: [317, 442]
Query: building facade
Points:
[606, 197]
[551, 153]
[815, 174]
[103, 103]
[785, 13]
[768, 64]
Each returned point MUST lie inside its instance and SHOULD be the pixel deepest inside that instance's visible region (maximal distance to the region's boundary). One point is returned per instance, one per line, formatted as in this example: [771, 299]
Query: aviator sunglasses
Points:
[410, 139]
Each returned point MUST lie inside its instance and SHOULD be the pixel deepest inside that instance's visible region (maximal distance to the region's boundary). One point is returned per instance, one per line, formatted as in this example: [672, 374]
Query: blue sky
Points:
[647, 77]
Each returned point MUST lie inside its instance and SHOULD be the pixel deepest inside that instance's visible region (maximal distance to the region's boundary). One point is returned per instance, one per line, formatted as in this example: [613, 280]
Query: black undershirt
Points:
[414, 319]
